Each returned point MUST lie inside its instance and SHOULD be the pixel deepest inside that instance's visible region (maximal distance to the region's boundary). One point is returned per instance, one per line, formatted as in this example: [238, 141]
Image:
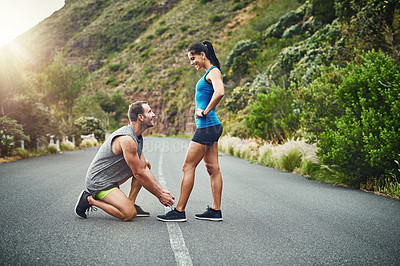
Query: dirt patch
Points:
[242, 18]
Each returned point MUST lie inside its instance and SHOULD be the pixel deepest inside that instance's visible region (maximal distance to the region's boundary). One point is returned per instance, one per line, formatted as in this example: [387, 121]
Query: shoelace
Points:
[91, 208]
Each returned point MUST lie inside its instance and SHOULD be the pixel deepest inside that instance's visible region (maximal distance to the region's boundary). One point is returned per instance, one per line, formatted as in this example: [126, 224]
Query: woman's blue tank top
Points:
[204, 92]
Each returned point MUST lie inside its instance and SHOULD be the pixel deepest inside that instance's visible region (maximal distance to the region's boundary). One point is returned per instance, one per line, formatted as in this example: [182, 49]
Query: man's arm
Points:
[129, 150]
[148, 172]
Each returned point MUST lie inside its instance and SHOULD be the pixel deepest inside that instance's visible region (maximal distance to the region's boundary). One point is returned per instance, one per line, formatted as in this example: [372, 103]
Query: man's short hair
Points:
[135, 109]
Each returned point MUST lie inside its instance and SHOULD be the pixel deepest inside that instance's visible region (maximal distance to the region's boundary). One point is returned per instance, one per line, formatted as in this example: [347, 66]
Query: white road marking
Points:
[181, 253]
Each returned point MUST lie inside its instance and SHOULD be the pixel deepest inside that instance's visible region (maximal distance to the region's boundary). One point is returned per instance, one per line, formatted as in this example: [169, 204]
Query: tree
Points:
[35, 117]
[90, 125]
[10, 81]
[10, 131]
[120, 104]
[64, 84]
[115, 106]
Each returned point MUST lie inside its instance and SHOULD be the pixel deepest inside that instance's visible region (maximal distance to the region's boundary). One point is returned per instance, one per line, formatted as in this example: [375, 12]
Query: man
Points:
[118, 159]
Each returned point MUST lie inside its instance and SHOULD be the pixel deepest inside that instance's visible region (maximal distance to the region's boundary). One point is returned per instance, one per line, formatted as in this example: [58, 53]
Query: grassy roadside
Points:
[19, 154]
[297, 156]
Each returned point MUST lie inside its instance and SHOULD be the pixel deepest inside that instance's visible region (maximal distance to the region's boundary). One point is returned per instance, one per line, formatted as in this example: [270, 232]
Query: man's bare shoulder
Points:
[123, 143]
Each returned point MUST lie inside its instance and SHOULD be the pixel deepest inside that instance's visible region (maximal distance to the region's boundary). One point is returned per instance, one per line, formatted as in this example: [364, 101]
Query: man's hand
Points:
[166, 198]
[167, 192]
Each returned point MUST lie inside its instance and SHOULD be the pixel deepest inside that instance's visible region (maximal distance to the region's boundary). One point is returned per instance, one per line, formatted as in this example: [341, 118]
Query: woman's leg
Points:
[212, 165]
[194, 155]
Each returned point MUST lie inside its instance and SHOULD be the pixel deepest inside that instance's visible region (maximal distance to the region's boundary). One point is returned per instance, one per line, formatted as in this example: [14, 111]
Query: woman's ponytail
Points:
[208, 50]
[211, 54]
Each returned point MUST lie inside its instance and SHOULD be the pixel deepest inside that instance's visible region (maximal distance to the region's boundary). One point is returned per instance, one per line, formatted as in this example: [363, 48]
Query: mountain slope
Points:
[138, 47]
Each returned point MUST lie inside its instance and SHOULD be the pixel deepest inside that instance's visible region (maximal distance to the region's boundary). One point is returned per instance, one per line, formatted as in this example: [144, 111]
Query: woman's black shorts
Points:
[208, 135]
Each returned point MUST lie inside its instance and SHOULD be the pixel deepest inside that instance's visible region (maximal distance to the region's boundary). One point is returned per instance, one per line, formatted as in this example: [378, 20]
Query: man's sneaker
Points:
[82, 205]
[173, 216]
[140, 212]
[210, 214]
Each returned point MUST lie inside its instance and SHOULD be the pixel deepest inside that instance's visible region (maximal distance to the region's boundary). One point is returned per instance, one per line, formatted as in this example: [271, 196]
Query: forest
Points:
[320, 75]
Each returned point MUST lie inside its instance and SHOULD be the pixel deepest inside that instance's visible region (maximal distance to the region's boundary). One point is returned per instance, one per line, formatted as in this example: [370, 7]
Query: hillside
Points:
[323, 71]
[137, 47]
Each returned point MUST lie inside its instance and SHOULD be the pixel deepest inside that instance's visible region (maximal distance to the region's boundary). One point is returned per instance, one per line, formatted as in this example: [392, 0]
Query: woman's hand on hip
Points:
[198, 113]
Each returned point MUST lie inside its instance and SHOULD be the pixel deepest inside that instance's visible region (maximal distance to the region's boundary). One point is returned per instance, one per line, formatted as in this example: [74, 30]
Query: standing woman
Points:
[204, 144]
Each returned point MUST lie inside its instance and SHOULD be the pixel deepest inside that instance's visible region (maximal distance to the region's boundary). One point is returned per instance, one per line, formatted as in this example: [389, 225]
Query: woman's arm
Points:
[215, 77]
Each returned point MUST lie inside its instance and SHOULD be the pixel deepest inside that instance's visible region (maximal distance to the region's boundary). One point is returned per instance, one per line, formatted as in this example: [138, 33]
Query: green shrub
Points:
[192, 31]
[150, 37]
[183, 28]
[10, 132]
[327, 175]
[364, 142]
[238, 153]
[241, 55]
[370, 24]
[23, 153]
[144, 55]
[272, 116]
[307, 167]
[111, 79]
[266, 158]
[6, 144]
[319, 103]
[388, 186]
[42, 151]
[114, 67]
[287, 20]
[88, 143]
[216, 18]
[67, 146]
[291, 161]
[160, 31]
[184, 44]
[52, 149]
[324, 10]
[242, 96]
[231, 150]
[238, 6]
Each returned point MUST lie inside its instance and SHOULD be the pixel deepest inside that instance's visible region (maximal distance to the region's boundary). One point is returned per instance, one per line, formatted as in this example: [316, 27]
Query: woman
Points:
[204, 144]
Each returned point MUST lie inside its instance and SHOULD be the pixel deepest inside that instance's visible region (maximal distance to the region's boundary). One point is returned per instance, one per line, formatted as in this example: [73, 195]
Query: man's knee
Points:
[129, 214]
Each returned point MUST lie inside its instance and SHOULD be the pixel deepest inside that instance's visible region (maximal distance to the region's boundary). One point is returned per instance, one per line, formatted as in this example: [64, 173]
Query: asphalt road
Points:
[270, 217]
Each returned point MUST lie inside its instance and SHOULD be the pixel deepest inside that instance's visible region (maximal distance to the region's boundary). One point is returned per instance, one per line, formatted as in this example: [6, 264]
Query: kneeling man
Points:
[118, 159]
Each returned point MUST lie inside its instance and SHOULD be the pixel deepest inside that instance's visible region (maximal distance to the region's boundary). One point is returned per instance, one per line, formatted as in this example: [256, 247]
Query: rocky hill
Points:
[138, 47]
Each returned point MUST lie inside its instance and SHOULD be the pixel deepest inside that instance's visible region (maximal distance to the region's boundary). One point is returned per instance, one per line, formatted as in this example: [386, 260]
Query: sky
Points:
[18, 16]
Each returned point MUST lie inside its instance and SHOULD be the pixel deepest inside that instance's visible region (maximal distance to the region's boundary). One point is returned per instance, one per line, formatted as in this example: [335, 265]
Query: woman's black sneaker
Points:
[210, 214]
[173, 216]
[82, 205]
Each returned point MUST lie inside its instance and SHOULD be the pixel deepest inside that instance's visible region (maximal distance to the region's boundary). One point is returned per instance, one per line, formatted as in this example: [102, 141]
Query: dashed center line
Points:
[181, 253]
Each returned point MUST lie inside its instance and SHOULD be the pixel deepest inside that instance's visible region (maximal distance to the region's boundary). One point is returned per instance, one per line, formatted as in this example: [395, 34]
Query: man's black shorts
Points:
[207, 135]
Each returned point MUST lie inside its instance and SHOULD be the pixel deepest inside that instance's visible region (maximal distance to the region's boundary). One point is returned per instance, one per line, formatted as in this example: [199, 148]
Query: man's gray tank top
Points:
[107, 168]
